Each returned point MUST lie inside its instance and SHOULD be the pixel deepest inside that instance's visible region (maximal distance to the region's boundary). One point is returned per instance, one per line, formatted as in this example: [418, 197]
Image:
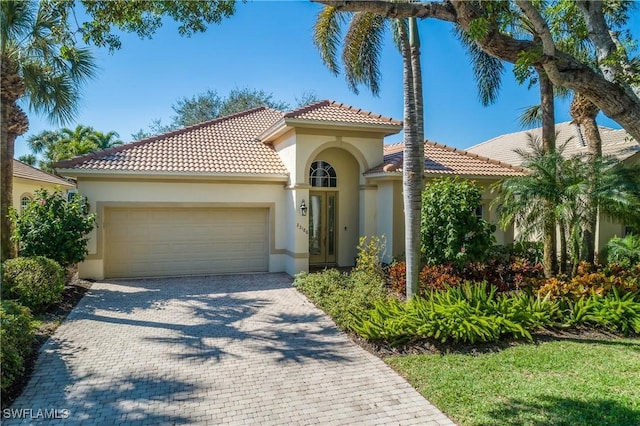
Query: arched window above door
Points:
[322, 174]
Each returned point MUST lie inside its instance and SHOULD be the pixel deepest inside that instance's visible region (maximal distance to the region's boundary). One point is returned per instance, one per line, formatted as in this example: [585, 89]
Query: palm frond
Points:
[326, 35]
[362, 50]
[487, 69]
[531, 116]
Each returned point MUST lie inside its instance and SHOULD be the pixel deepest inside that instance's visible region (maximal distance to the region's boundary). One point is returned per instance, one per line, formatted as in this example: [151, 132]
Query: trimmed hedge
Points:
[16, 339]
[36, 282]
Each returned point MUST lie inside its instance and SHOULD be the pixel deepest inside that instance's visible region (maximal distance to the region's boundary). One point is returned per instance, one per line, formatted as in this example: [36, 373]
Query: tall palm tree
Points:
[106, 140]
[584, 113]
[360, 56]
[40, 64]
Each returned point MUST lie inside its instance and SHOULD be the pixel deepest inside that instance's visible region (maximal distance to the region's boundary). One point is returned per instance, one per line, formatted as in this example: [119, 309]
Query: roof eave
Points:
[286, 124]
[122, 174]
[41, 181]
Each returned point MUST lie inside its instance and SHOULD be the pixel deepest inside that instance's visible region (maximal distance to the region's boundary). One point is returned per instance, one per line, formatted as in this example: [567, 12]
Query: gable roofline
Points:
[537, 129]
[478, 156]
[294, 118]
[25, 171]
[391, 166]
[67, 164]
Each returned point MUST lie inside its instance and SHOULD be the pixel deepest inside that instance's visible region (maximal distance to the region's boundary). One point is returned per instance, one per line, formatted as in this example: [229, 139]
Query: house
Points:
[615, 143]
[261, 190]
[27, 180]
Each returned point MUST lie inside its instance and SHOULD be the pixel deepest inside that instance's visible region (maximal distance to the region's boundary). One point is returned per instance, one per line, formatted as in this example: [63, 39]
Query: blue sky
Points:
[268, 45]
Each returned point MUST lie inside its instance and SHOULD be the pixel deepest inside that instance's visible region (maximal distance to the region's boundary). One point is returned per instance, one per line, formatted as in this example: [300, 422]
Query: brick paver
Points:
[241, 349]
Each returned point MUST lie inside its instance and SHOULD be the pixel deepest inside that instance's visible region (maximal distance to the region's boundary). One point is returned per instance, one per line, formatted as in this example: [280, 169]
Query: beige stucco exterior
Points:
[27, 188]
[367, 205]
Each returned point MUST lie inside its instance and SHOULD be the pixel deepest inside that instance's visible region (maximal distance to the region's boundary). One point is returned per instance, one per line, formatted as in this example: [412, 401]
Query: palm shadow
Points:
[552, 410]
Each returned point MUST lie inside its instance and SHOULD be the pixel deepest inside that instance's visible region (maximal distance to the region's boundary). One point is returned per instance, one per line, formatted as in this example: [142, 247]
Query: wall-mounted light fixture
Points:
[303, 208]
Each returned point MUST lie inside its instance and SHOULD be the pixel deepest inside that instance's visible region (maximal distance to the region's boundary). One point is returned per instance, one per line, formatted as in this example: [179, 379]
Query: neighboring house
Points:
[615, 143]
[27, 179]
[256, 191]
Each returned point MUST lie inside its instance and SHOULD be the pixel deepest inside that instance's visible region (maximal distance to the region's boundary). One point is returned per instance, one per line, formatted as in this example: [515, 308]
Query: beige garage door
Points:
[184, 241]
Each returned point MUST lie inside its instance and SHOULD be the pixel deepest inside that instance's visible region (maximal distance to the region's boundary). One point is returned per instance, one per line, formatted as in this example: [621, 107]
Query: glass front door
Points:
[322, 227]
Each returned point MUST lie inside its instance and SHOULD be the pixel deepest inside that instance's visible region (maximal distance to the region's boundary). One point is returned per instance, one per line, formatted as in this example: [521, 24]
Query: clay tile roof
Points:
[332, 111]
[443, 160]
[25, 171]
[226, 145]
[615, 143]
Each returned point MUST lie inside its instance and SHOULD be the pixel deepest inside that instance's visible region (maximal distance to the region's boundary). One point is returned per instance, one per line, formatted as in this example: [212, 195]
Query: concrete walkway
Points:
[242, 349]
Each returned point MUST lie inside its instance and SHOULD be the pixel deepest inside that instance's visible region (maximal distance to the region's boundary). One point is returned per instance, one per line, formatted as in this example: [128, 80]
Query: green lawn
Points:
[555, 383]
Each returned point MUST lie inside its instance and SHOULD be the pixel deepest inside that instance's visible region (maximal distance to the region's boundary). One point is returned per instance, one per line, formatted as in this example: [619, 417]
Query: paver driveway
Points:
[242, 349]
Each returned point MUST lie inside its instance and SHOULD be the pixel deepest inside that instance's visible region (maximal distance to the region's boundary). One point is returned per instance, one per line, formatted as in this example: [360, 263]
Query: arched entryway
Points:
[333, 177]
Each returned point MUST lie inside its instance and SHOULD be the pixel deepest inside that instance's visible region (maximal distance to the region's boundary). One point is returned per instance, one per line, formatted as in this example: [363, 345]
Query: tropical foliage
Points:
[563, 183]
[53, 227]
[625, 251]
[451, 229]
[341, 295]
[54, 146]
[41, 67]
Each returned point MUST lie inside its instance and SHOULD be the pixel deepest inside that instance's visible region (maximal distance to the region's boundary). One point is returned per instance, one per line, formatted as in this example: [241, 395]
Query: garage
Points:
[148, 242]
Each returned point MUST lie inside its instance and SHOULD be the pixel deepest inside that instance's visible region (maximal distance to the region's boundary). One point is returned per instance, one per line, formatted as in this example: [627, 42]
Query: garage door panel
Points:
[185, 241]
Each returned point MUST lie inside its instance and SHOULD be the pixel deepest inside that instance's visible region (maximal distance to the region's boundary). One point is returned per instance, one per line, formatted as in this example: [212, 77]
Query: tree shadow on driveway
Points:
[133, 349]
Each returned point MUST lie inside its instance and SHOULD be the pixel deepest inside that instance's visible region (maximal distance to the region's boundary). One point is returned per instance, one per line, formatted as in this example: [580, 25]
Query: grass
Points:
[566, 382]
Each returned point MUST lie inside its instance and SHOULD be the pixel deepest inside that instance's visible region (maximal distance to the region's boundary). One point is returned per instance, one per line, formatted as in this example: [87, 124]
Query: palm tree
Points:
[584, 113]
[106, 140]
[40, 64]
[525, 201]
[361, 54]
[78, 141]
[29, 159]
[563, 183]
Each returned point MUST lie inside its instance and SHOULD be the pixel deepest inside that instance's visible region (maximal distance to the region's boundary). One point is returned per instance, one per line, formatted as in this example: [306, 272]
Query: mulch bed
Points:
[74, 290]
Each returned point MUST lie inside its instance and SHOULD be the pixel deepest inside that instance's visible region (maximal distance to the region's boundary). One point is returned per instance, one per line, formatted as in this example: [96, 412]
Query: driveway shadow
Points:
[195, 322]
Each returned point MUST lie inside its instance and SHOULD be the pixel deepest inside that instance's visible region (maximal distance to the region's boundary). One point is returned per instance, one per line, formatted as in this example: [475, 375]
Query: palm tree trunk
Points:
[584, 113]
[14, 123]
[413, 165]
[563, 247]
[6, 187]
[549, 147]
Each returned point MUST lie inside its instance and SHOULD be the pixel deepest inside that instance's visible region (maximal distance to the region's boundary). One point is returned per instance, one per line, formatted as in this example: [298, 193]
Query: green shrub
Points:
[451, 231]
[532, 251]
[616, 312]
[370, 250]
[344, 295]
[341, 295]
[53, 227]
[625, 251]
[467, 313]
[16, 338]
[36, 282]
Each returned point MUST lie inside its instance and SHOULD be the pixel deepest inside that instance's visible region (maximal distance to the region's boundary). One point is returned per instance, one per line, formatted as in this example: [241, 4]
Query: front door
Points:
[322, 227]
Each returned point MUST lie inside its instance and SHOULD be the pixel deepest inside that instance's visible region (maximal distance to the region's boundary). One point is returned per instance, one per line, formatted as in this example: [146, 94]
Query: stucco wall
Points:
[102, 194]
[28, 187]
